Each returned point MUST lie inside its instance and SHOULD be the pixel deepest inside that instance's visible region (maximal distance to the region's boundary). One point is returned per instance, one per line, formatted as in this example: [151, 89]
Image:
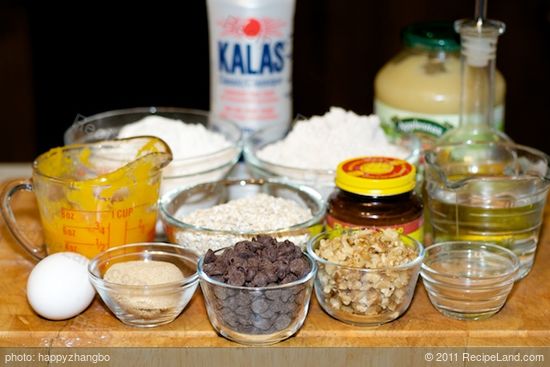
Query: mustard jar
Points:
[418, 90]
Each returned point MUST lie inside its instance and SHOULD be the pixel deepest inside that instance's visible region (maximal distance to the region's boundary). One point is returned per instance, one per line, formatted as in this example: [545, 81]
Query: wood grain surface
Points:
[524, 321]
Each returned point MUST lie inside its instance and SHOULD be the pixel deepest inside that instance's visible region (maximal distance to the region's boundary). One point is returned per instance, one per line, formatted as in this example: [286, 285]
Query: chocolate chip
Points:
[270, 270]
[266, 241]
[270, 253]
[297, 253]
[226, 255]
[277, 306]
[285, 249]
[242, 246]
[285, 296]
[237, 262]
[268, 314]
[262, 324]
[253, 263]
[282, 322]
[289, 307]
[250, 274]
[243, 311]
[243, 299]
[231, 303]
[282, 267]
[214, 269]
[261, 262]
[299, 267]
[260, 280]
[228, 316]
[209, 257]
[290, 277]
[273, 294]
[221, 293]
[243, 250]
[259, 306]
[235, 277]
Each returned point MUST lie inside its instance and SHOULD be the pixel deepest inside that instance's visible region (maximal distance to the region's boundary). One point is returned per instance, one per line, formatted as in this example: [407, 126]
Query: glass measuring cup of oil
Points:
[490, 192]
[93, 196]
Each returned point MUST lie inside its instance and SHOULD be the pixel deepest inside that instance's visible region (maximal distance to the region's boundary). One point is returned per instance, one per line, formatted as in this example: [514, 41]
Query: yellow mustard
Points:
[418, 90]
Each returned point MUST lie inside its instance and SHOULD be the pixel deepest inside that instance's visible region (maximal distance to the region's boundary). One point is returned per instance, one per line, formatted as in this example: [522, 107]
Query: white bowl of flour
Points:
[203, 150]
[313, 148]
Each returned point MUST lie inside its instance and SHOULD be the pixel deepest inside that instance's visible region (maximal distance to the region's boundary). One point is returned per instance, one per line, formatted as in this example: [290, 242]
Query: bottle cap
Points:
[376, 176]
[433, 36]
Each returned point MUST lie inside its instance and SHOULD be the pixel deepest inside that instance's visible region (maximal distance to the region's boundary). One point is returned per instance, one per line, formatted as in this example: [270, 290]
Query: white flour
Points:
[185, 140]
[322, 142]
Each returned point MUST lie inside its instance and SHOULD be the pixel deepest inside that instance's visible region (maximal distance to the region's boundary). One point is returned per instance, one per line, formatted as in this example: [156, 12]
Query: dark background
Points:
[59, 60]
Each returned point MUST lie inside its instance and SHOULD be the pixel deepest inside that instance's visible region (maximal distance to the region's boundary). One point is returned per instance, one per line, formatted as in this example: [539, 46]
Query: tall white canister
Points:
[251, 63]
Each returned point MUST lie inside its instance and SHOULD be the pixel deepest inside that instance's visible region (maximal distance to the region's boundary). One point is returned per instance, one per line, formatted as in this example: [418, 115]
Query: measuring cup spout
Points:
[151, 149]
[437, 171]
[141, 153]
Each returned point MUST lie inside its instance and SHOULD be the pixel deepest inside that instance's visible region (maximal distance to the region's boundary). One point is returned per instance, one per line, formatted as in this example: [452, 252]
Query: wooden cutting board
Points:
[524, 321]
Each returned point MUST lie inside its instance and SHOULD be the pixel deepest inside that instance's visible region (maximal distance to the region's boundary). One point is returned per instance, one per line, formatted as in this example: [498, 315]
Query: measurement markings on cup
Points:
[97, 234]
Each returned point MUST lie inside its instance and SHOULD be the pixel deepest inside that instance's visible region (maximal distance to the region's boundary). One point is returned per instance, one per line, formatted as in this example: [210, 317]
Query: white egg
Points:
[58, 287]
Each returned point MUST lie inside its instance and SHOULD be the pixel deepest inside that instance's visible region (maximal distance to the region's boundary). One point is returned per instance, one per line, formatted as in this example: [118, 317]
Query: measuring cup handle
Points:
[6, 196]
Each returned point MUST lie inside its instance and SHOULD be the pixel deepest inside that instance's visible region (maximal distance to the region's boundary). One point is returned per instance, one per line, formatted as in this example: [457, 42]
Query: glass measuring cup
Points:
[93, 196]
[490, 192]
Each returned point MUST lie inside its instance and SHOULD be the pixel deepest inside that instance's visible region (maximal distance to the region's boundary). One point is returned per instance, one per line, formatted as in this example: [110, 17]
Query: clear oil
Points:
[515, 227]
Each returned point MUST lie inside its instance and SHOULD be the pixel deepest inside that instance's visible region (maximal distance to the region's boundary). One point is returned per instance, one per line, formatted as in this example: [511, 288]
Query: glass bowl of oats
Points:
[365, 277]
[219, 214]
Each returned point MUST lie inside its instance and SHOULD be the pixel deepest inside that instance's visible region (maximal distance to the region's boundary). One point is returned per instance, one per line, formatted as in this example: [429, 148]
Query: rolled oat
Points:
[257, 213]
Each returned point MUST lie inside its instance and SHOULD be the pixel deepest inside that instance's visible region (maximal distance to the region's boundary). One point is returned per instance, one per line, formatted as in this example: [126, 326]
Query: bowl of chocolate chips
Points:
[257, 292]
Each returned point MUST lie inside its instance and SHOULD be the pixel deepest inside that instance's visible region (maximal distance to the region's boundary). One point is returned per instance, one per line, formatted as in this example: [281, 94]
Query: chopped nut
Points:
[370, 293]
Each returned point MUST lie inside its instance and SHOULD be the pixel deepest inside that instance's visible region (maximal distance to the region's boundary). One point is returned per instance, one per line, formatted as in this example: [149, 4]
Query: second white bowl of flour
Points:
[313, 148]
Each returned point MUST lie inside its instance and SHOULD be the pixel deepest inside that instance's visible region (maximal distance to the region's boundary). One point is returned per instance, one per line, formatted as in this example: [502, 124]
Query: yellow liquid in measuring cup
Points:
[99, 211]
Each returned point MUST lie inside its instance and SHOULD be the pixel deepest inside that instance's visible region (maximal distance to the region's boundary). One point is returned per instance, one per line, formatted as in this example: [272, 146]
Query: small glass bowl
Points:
[365, 297]
[180, 172]
[257, 315]
[468, 280]
[146, 305]
[319, 179]
[186, 200]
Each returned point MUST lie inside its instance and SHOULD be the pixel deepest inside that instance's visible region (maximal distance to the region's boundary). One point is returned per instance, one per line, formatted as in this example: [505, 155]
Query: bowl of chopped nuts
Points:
[257, 292]
[366, 277]
[218, 214]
